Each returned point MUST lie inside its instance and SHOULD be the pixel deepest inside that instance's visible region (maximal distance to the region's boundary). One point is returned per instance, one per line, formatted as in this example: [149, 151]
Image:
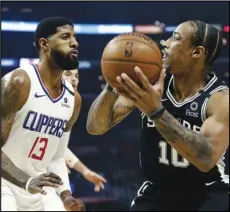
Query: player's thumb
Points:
[161, 78]
[40, 190]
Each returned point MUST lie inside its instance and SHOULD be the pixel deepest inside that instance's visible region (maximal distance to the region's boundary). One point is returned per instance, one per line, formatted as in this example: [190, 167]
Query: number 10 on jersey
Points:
[38, 154]
[164, 159]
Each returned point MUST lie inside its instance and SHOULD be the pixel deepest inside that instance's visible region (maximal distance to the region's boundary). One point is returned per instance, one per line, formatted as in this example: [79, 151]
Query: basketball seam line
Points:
[130, 61]
[141, 42]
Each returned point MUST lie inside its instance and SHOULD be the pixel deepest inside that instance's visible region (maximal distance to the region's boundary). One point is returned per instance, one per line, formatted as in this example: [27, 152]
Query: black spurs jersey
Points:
[161, 163]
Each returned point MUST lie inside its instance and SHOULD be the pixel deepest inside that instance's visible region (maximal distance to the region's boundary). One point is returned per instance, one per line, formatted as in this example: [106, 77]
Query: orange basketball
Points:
[128, 50]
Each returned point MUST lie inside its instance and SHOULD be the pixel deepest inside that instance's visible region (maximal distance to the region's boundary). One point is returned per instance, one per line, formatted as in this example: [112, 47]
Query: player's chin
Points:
[74, 88]
[165, 64]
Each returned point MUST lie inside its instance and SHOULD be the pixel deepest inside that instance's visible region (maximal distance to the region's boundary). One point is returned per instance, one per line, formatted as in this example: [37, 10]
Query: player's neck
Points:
[50, 74]
[187, 85]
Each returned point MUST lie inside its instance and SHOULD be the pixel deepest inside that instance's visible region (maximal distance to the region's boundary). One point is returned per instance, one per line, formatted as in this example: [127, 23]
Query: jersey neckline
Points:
[179, 104]
[44, 88]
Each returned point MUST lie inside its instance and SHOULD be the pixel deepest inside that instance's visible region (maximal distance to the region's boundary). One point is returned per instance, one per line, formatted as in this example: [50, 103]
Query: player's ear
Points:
[198, 51]
[43, 44]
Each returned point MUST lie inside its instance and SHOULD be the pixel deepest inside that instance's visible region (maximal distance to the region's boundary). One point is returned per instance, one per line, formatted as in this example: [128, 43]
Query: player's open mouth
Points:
[165, 55]
[74, 53]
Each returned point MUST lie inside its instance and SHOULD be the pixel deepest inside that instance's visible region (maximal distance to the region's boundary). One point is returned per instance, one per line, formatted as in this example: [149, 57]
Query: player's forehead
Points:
[74, 71]
[65, 29]
[71, 72]
[184, 30]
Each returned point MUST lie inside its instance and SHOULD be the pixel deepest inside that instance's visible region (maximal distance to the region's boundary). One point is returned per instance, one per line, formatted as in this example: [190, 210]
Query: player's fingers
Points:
[102, 185]
[130, 91]
[38, 190]
[42, 192]
[102, 179]
[126, 95]
[144, 80]
[97, 188]
[51, 174]
[131, 84]
[52, 180]
[47, 183]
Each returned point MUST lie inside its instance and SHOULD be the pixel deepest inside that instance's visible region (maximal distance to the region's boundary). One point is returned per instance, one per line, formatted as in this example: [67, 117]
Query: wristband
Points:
[156, 113]
[109, 88]
[27, 183]
[68, 197]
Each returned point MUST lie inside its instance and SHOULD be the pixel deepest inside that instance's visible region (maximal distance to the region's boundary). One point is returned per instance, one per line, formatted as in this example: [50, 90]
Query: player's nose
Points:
[74, 43]
[164, 43]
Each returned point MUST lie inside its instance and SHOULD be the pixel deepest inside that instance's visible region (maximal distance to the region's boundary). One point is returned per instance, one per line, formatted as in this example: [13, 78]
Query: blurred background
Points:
[115, 154]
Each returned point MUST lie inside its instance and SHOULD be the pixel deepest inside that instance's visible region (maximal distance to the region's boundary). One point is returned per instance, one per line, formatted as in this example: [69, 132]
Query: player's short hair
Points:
[207, 35]
[48, 27]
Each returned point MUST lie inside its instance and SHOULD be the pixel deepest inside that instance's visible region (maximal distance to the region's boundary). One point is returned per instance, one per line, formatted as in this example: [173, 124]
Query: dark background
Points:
[115, 154]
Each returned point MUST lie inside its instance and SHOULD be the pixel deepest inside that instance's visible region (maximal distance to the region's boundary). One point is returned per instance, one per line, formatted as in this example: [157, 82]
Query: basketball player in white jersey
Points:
[72, 161]
[185, 124]
[39, 109]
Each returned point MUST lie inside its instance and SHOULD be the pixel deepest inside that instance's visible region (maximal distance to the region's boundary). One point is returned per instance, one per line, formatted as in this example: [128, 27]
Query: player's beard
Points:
[65, 62]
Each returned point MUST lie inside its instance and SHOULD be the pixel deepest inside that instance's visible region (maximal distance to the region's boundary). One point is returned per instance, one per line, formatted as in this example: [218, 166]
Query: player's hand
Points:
[46, 179]
[148, 97]
[96, 179]
[72, 204]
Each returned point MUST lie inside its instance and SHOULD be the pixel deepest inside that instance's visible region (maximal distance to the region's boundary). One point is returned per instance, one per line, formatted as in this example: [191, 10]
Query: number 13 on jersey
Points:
[38, 153]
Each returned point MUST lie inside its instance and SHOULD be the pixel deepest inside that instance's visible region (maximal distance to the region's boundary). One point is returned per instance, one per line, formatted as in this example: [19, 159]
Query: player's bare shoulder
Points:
[15, 88]
[219, 104]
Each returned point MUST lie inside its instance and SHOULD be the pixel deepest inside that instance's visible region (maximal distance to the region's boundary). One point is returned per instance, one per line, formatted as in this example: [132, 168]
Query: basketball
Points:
[126, 51]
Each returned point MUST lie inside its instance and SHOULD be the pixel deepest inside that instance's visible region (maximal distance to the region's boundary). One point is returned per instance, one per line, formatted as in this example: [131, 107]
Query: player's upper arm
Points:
[122, 108]
[77, 108]
[15, 88]
[216, 126]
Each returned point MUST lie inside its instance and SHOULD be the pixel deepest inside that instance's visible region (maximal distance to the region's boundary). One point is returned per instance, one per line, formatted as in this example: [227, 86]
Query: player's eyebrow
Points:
[176, 33]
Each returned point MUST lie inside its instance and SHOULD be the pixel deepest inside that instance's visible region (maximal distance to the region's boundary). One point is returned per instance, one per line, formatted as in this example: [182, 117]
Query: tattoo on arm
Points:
[120, 112]
[188, 143]
[12, 173]
[10, 102]
[99, 117]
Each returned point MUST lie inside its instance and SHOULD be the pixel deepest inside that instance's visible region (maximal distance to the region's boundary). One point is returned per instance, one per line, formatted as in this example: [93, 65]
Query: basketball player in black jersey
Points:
[185, 124]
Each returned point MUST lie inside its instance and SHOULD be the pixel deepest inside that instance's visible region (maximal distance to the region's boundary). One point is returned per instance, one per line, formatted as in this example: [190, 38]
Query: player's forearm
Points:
[12, 173]
[74, 163]
[191, 145]
[99, 117]
[81, 168]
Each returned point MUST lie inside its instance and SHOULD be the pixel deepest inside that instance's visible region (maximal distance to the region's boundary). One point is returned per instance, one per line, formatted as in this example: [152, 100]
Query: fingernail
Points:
[136, 69]
[123, 75]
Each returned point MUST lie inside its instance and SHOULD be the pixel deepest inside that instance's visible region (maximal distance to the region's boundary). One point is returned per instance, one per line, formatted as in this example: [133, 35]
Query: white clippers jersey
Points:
[39, 125]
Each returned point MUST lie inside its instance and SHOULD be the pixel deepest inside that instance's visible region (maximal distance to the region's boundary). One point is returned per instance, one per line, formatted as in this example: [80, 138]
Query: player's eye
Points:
[175, 37]
[67, 74]
[65, 36]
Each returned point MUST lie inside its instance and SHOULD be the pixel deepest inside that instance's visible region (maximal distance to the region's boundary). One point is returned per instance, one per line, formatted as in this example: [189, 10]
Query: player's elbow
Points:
[205, 168]
[95, 130]
[207, 165]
